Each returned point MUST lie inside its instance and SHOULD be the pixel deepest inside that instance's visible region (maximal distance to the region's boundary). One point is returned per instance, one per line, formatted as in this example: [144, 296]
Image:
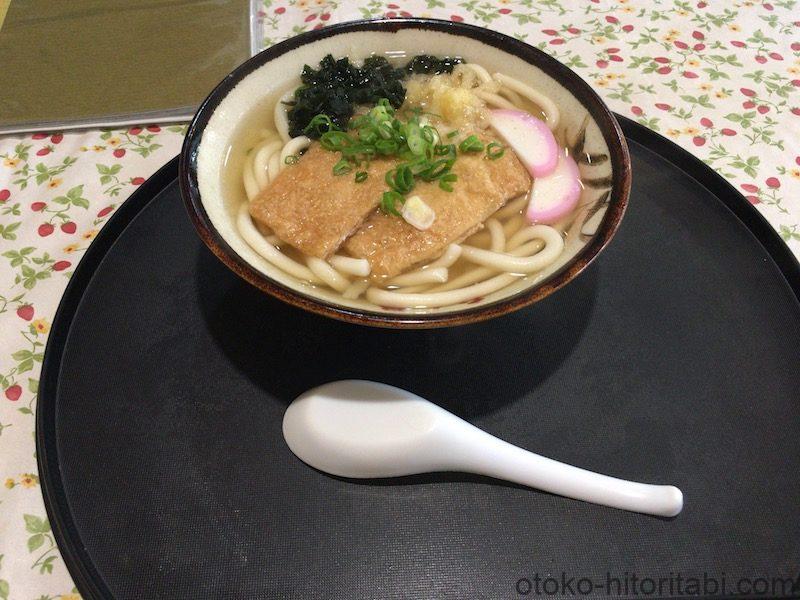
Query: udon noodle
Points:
[507, 248]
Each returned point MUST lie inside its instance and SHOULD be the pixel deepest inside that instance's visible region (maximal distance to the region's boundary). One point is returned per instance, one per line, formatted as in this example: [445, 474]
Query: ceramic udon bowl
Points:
[236, 103]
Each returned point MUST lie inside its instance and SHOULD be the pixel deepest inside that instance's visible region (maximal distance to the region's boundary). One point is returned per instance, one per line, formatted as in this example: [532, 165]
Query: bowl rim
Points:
[607, 123]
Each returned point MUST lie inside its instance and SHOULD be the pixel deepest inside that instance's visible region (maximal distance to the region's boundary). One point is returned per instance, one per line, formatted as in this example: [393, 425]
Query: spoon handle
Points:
[485, 454]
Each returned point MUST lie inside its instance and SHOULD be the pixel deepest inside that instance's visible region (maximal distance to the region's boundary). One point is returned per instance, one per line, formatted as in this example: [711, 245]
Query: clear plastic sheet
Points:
[63, 62]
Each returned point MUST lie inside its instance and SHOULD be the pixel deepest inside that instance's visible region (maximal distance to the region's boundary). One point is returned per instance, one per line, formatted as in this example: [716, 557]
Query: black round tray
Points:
[672, 359]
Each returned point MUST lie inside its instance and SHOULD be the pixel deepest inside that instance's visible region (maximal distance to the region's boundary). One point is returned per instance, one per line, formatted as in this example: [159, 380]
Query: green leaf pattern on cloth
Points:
[720, 79]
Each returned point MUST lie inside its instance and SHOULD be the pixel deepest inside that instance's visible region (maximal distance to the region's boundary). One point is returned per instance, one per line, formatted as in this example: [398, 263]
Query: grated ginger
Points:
[441, 95]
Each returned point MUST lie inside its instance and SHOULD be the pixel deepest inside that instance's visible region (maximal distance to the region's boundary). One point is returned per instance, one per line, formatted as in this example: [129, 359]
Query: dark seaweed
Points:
[430, 65]
[338, 86]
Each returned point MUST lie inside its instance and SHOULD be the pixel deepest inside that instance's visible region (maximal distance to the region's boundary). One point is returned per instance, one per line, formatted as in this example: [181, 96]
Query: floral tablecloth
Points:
[722, 79]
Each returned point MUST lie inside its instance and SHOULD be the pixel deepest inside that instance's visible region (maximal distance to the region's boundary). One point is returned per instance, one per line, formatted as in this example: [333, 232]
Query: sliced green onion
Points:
[437, 168]
[447, 150]
[359, 121]
[405, 178]
[386, 131]
[388, 202]
[320, 124]
[452, 134]
[361, 176]
[416, 142]
[356, 151]
[291, 159]
[401, 179]
[368, 136]
[335, 140]
[446, 181]
[471, 144]
[495, 150]
[387, 106]
[379, 114]
[342, 167]
[386, 147]
[430, 135]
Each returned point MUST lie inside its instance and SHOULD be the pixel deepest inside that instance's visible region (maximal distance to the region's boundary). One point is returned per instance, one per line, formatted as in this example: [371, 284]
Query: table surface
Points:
[720, 80]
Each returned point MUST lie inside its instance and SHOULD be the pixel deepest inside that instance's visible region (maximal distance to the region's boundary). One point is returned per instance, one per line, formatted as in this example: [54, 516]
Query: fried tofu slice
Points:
[392, 246]
[310, 208]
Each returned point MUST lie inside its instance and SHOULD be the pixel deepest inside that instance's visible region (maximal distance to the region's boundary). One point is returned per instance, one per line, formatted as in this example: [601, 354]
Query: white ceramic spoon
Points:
[365, 429]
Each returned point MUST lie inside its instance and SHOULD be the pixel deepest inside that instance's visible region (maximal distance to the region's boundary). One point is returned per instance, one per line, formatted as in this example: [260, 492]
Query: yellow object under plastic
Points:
[89, 62]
